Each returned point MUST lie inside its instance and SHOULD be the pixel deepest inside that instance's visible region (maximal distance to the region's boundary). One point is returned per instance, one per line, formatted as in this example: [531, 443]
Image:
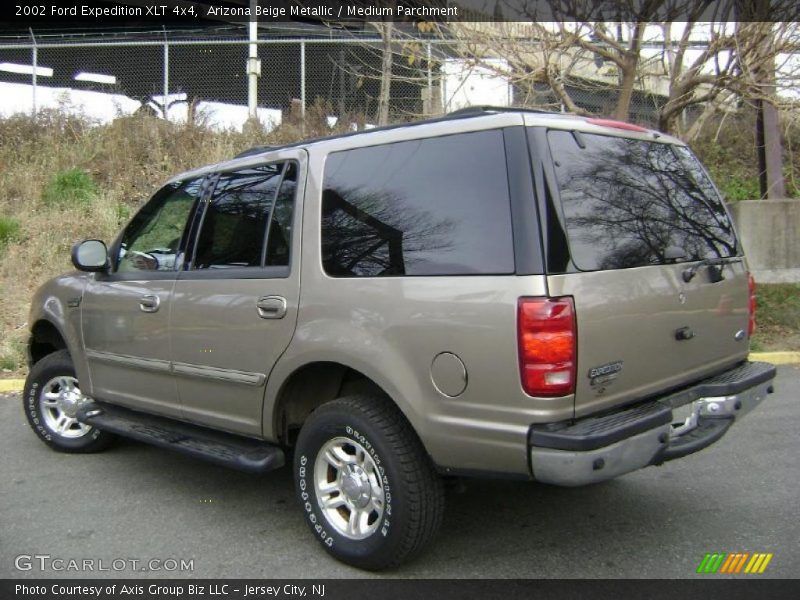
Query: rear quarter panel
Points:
[391, 328]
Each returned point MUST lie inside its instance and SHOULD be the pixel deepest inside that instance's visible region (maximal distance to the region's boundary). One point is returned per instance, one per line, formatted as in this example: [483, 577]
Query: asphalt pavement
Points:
[137, 504]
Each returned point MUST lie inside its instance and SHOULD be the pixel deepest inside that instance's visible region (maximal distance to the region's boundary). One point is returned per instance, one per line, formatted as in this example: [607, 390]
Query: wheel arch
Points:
[313, 384]
[45, 339]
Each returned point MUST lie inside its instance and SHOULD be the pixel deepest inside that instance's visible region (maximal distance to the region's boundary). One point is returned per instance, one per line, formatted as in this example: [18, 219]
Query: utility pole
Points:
[166, 75]
[753, 22]
[35, 65]
[768, 137]
[253, 64]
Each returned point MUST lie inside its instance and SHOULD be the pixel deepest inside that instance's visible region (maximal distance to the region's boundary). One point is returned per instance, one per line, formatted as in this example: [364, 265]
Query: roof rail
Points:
[485, 108]
[463, 113]
[256, 150]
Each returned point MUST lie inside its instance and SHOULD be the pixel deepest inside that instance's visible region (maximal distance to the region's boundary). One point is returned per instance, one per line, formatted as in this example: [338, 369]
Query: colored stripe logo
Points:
[735, 563]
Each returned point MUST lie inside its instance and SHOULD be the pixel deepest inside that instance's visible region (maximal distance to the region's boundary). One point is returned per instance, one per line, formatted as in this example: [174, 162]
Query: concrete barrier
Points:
[770, 233]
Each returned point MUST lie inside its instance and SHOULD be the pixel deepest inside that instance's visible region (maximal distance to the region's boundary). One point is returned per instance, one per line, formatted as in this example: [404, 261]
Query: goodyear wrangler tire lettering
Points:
[368, 488]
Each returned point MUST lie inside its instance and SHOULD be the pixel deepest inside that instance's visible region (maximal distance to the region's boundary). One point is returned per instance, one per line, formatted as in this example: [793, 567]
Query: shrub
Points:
[736, 187]
[8, 363]
[9, 230]
[69, 188]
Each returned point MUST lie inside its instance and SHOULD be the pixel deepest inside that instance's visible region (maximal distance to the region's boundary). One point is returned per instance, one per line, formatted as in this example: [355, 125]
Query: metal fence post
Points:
[166, 77]
[431, 109]
[35, 68]
[303, 80]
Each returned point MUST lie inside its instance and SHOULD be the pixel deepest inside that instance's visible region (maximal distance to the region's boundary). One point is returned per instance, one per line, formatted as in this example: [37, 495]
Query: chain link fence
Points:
[205, 79]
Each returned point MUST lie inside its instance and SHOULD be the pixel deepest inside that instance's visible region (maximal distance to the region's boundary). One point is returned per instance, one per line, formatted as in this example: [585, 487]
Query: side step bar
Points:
[227, 450]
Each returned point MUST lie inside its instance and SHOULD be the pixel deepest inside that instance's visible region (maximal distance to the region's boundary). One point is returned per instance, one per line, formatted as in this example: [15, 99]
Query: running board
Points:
[228, 450]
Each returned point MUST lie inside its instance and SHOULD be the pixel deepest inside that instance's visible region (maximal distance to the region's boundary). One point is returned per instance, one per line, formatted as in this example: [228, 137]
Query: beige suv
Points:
[493, 293]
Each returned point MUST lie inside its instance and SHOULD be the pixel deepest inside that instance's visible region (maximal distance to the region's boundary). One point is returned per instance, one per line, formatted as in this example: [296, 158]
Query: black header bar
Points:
[22, 14]
[393, 589]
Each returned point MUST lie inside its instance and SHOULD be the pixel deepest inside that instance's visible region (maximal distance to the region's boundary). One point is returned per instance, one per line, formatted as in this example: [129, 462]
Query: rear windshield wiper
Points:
[715, 268]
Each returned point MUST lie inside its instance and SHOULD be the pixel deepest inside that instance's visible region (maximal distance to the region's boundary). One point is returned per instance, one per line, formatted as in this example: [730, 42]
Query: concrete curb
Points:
[11, 385]
[776, 358]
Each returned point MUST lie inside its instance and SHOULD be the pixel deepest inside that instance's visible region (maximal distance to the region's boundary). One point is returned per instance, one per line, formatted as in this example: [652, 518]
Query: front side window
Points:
[233, 232]
[434, 206]
[151, 241]
[627, 201]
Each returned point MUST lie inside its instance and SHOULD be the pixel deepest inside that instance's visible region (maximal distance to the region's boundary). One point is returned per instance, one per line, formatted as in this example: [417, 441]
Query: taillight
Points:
[547, 342]
[751, 307]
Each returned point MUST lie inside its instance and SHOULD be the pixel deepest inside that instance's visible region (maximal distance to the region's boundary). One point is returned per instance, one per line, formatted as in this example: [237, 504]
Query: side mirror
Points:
[90, 255]
[673, 253]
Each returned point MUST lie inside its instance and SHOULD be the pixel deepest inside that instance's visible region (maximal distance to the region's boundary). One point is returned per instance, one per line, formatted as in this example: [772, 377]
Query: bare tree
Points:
[565, 55]
[567, 52]
[726, 64]
[625, 54]
[385, 29]
[705, 61]
[391, 69]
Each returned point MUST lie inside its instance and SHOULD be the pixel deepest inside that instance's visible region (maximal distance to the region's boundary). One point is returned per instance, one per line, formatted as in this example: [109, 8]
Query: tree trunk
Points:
[628, 67]
[626, 91]
[386, 73]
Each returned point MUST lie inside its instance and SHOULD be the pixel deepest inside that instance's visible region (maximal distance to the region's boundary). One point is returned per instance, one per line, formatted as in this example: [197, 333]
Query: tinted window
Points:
[626, 201]
[151, 240]
[280, 226]
[437, 206]
[235, 222]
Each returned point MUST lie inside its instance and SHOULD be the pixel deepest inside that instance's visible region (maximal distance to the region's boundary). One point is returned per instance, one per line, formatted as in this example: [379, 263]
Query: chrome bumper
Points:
[709, 420]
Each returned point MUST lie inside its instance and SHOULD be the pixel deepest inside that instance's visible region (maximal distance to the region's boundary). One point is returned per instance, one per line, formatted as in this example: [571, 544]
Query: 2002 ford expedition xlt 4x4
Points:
[496, 292]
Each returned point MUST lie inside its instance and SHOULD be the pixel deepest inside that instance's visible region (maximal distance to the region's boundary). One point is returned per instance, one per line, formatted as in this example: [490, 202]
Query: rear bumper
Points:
[602, 447]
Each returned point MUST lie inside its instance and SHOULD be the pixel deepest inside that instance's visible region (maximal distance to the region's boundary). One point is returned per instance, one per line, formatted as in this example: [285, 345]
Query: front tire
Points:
[368, 489]
[51, 398]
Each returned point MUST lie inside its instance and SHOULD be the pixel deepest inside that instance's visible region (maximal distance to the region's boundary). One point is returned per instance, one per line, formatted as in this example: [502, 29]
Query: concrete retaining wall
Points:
[770, 233]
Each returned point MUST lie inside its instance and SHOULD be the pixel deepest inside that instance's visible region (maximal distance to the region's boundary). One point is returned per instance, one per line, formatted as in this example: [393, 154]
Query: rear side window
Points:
[626, 201]
[234, 228]
[436, 206]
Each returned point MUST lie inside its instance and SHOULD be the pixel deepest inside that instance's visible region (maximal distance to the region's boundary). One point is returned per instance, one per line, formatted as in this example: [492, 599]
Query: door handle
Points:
[271, 307]
[149, 303]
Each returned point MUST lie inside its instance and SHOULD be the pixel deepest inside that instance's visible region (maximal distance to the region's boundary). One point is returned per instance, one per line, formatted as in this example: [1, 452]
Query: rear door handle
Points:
[149, 303]
[271, 307]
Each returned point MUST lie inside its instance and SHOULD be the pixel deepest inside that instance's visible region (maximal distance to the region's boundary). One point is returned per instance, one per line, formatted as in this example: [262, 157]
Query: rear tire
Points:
[50, 399]
[369, 491]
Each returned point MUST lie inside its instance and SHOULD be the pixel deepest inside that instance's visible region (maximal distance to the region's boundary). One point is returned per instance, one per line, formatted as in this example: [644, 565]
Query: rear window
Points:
[626, 201]
[435, 206]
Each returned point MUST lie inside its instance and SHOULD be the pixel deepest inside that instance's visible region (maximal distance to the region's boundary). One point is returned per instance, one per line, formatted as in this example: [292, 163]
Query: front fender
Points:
[57, 302]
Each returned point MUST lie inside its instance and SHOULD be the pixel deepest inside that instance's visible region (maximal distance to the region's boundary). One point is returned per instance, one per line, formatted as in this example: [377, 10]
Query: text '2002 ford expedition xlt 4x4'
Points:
[496, 292]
